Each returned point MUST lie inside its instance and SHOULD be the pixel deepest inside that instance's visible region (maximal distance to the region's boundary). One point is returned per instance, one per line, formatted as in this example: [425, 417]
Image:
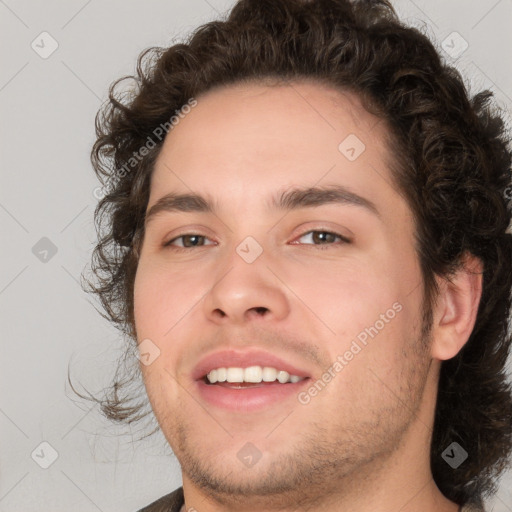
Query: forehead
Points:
[285, 111]
[248, 137]
[261, 122]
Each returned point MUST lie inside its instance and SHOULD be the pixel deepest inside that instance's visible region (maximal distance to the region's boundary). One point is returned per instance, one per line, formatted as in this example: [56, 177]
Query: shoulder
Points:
[169, 503]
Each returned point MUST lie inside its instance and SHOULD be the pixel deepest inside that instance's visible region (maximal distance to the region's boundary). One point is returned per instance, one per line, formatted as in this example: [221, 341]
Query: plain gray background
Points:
[47, 111]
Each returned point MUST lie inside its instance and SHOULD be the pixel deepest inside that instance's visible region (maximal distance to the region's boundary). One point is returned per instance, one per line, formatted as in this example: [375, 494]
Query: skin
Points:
[363, 442]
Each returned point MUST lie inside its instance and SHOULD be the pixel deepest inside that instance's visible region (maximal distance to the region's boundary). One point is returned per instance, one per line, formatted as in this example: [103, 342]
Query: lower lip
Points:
[251, 398]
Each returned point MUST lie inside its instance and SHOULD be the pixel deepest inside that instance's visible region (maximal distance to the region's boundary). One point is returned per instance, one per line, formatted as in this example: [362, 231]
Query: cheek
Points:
[366, 305]
[162, 301]
[348, 295]
[161, 298]
[146, 299]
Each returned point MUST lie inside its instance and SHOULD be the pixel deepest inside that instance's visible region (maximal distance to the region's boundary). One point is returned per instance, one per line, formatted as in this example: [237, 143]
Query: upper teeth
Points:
[251, 374]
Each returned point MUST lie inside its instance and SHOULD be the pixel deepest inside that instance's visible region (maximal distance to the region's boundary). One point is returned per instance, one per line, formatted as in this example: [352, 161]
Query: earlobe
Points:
[456, 309]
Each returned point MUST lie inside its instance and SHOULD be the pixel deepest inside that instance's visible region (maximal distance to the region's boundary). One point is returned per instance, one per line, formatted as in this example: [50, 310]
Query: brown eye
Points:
[187, 241]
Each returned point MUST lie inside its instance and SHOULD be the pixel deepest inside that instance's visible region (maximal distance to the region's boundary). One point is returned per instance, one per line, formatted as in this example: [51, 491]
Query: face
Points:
[325, 287]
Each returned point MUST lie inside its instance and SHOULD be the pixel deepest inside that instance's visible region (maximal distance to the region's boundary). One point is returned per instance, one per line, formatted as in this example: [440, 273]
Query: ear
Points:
[456, 308]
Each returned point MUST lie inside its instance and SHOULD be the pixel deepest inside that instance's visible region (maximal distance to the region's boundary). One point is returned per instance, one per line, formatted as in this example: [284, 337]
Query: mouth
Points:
[252, 376]
[245, 387]
[249, 397]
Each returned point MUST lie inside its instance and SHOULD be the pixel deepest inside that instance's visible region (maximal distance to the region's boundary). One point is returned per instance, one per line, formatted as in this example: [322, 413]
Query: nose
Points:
[242, 292]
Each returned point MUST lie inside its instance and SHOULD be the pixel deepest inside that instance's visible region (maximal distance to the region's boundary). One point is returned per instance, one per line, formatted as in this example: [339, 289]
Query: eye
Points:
[319, 237]
[188, 241]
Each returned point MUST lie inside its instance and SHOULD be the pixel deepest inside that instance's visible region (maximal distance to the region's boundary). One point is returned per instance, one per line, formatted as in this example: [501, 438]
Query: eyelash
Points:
[344, 240]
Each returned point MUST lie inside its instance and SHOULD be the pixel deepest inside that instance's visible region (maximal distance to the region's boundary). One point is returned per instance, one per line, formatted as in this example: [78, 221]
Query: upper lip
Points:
[237, 358]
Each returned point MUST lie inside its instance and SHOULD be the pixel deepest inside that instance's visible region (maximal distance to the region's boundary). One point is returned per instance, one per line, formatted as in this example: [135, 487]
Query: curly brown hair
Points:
[453, 165]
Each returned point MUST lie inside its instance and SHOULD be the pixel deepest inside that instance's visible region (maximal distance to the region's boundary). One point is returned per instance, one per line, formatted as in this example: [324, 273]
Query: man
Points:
[315, 264]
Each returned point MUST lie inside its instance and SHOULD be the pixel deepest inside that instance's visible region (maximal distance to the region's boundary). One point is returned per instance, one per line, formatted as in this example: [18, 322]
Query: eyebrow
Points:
[293, 199]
